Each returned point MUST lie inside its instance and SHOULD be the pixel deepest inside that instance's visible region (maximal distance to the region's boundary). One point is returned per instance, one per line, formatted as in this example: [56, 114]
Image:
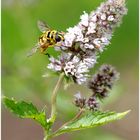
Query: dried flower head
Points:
[85, 40]
[92, 103]
[79, 100]
[103, 81]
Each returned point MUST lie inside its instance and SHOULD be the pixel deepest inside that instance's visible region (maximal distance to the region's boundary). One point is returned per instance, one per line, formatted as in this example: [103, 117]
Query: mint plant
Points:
[79, 52]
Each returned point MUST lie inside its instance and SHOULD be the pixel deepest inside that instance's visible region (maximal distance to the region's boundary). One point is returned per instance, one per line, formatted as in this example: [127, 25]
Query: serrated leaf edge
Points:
[63, 129]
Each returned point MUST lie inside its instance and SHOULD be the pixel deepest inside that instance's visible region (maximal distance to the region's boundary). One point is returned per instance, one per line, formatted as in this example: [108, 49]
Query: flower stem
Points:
[75, 117]
[53, 98]
[53, 110]
[78, 115]
[46, 137]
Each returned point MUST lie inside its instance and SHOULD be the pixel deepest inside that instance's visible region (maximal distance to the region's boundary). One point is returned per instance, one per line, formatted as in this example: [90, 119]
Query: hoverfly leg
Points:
[47, 55]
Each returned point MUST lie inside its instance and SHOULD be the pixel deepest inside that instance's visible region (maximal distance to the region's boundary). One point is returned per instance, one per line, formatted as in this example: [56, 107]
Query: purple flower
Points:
[84, 41]
[103, 81]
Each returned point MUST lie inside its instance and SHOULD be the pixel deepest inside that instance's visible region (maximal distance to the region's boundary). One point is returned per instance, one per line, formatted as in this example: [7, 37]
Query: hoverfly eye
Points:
[57, 38]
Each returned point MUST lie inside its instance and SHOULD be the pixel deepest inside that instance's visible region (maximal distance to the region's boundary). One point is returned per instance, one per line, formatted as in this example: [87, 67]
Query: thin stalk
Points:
[77, 116]
[53, 103]
[46, 137]
[53, 98]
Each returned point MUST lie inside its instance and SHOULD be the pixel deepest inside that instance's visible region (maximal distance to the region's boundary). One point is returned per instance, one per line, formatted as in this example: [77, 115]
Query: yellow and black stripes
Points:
[51, 37]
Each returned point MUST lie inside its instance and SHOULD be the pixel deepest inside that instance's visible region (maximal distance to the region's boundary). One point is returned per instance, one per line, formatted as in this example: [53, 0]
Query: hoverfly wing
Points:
[34, 50]
[42, 26]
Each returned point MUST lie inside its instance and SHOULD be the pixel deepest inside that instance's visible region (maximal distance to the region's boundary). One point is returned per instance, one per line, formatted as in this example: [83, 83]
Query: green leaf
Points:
[90, 120]
[25, 110]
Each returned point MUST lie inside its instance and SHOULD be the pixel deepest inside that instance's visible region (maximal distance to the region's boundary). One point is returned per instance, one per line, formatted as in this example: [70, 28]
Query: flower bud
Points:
[79, 101]
[92, 103]
[103, 81]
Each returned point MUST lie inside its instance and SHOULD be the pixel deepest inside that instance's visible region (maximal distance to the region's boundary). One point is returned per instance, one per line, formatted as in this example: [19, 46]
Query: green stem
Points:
[53, 98]
[75, 118]
[46, 137]
[46, 134]
[78, 115]
[53, 103]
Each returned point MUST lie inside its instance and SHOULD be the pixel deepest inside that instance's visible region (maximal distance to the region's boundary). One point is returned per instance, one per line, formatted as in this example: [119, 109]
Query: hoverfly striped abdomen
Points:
[42, 39]
[48, 38]
[48, 34]
[54, 36]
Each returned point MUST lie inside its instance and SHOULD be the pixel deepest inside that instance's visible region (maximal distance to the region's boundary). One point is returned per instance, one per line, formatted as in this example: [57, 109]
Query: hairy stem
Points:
[53, 98]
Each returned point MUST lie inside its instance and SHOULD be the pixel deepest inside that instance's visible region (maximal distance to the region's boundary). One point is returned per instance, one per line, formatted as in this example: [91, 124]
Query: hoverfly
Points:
[48, 39]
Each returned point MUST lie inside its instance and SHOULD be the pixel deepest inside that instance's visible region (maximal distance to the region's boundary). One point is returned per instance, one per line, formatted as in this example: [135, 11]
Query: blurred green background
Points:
[22, 76]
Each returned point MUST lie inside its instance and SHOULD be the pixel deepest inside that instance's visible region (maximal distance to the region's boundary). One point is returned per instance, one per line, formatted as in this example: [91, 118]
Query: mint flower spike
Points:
[102, 82]
[78, 54]
[85, 40]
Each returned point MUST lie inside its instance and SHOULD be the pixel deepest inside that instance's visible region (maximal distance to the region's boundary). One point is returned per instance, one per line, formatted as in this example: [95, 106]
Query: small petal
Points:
[110, 18]
[103, 16]
[84, 19]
